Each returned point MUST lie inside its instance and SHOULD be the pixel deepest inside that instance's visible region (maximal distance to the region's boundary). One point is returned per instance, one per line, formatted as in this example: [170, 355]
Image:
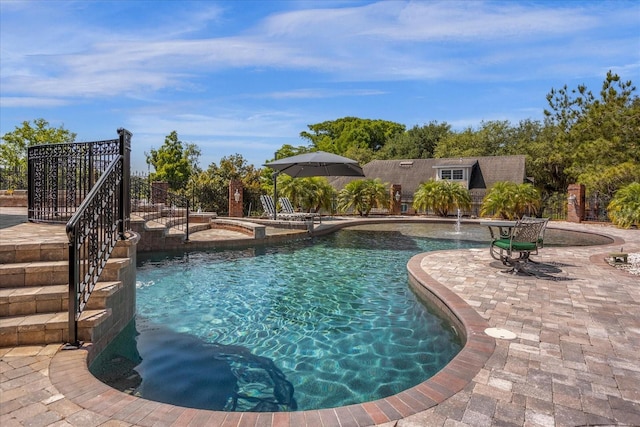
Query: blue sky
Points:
[247, 77]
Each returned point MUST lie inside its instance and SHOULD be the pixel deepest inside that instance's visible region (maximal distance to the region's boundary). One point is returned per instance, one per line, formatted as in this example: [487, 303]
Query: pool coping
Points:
[91, 394]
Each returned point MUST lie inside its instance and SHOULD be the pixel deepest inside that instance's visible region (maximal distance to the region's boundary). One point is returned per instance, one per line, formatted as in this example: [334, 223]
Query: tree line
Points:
[584, 138]
[587, 138]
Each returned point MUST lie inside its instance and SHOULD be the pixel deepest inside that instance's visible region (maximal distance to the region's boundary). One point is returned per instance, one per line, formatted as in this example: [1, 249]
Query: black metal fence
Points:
[556, 207]
[60, 176]
[596, 207]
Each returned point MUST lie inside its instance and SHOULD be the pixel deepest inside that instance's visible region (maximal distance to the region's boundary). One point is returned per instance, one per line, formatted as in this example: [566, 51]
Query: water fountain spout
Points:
[457, 226]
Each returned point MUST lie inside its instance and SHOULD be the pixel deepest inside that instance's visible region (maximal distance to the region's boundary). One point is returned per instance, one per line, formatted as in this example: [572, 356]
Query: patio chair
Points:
[288, 209]
[270, 209]
[525, 238]
[268, 206]
[544, 222]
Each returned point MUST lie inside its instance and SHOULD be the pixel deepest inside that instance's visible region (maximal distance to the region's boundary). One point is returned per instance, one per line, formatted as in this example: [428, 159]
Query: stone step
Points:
[167, 223]
[194, 228]
[27, 252]
[145, 216]
[154, 225]
[34, 290]
[44, 273]
[47, 328]
[30, 252]
[176, 221]
[50, 299]
[167, 215]
[175, 232]
[173, 227]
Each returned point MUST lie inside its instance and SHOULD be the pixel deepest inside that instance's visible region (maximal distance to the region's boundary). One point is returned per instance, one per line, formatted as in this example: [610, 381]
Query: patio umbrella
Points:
[317, 163]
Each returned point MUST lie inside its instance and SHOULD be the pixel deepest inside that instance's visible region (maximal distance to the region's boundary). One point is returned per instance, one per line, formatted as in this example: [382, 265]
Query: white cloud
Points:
[229, 82]
[260, 124]
[317, 93]
[379, 41]
[20, 102]
[476, 20]
[433, 21]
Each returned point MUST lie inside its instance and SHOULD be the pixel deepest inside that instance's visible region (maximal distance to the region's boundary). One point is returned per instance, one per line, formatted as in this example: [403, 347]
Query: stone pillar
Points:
[159, 191]
[396, 205]
[575, 203]
[236, 191]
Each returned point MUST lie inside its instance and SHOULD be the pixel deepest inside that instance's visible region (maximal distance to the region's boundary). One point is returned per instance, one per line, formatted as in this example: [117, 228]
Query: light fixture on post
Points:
[236, 196]
[398, 196]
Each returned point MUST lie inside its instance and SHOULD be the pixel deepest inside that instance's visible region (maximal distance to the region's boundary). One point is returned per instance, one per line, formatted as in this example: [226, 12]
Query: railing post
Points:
[91, 179]
[124, 203]
[275, 195]
[53, 191]
[73, 293]
[30, 185]
[187, 230]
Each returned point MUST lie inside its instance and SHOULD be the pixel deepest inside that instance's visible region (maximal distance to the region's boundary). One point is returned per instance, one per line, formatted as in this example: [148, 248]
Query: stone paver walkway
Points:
[575, 359]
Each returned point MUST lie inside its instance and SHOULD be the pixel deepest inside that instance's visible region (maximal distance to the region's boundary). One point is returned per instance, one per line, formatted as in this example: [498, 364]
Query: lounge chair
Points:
[525, 238]
[288, 209]
[270, 209]
[268, 206]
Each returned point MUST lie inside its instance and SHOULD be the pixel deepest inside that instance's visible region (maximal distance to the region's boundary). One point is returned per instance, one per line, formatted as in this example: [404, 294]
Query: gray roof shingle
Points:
[410, 173]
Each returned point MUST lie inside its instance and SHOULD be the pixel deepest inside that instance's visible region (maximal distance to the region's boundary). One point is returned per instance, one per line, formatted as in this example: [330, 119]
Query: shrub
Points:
[441, 197]
[509, 200]
[624, 208]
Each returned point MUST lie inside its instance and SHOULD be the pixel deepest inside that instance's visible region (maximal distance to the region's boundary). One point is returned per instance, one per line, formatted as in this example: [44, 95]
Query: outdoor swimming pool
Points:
[304, 325]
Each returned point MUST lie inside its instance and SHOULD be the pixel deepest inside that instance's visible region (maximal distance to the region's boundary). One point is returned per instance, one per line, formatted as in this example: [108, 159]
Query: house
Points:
[477, 174]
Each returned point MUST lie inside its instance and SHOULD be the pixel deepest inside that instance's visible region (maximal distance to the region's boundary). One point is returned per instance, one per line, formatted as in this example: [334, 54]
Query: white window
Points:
[454, 174]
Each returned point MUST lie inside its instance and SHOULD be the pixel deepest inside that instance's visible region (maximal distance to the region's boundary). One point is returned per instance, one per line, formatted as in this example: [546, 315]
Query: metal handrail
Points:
[168, 208]
[93, 231]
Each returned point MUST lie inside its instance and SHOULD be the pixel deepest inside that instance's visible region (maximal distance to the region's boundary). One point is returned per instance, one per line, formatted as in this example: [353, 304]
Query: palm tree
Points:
[363, 195]
[527, 199]
[498, 201]
[323, 194]
[624, 208]
[297, 190]
[441, 196]
[312, 193]
[509, 200]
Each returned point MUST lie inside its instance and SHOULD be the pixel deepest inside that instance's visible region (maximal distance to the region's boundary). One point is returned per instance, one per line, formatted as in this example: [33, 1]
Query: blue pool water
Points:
[305, 325]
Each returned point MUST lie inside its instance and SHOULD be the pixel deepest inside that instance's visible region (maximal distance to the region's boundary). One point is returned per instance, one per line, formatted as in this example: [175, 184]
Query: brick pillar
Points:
[159, 191]
[575, 203]
[236, 191]
[396, 205]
